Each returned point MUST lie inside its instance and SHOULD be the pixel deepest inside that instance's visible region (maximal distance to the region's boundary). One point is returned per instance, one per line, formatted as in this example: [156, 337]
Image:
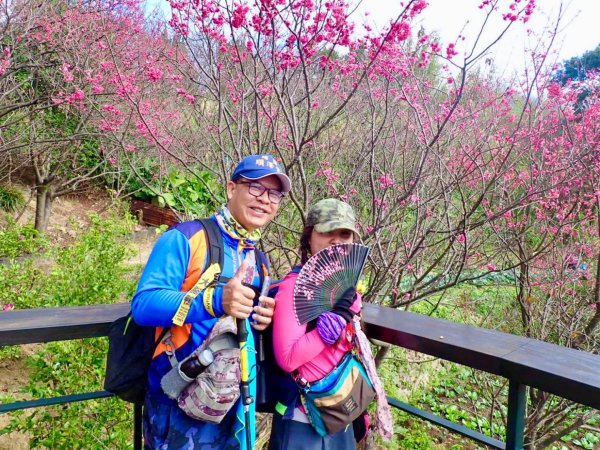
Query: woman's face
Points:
[319, 241]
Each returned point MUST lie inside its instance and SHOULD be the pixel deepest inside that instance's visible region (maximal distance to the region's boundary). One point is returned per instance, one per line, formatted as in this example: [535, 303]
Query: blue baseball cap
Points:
[255, 167]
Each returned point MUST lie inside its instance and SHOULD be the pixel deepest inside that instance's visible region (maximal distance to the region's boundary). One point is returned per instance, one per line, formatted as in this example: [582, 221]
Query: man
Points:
[254, 193]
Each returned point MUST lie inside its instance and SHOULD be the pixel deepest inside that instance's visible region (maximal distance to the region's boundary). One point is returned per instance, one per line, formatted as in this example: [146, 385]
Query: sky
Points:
[578, 32]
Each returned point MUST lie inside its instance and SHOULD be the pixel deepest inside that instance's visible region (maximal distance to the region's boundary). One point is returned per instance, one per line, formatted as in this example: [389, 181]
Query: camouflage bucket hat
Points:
[331, 214]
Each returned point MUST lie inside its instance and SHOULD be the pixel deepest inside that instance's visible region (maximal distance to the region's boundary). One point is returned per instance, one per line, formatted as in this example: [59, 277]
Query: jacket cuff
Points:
[217, 302]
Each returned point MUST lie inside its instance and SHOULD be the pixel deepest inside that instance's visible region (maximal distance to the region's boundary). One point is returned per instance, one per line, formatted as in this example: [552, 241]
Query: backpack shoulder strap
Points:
[275, 286]
[214, 242]
[214, 245]
[163, 335]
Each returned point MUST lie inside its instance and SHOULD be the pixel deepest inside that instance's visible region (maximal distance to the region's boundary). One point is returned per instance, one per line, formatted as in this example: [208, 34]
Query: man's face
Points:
[250, 211]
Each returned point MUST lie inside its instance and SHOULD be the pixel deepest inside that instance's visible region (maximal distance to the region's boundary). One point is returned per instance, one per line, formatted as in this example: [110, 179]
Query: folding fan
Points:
[325, 277]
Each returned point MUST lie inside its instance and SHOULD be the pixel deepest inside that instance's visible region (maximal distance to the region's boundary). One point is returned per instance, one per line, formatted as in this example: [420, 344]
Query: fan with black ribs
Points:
[325, 277]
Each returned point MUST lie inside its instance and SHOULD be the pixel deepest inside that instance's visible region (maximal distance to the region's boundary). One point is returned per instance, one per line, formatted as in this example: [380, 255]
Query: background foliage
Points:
[478, 195]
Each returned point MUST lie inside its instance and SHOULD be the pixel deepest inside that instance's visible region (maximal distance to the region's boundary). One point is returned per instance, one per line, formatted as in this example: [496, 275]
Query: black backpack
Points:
[131, 346]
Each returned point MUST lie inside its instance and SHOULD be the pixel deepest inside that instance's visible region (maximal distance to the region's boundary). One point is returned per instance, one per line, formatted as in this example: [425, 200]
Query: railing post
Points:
[515, 422]
[137, 426]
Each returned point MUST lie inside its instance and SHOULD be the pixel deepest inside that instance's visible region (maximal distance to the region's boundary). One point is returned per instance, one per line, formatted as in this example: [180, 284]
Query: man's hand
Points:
[263, 313]
[237, 298]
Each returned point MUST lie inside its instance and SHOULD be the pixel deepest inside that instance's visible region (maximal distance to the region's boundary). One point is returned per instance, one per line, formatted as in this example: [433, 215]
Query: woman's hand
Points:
[342, 306]
[263, 313]
[330, 326]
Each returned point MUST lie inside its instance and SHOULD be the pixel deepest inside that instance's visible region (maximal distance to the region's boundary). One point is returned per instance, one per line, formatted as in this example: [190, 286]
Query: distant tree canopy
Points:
[576, 68]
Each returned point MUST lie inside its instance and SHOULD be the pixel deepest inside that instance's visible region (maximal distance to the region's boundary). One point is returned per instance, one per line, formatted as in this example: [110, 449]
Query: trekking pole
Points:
[242, 334]
[260, 348]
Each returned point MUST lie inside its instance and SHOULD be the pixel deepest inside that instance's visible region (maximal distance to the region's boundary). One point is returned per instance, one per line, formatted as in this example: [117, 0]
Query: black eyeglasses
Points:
[257, 189]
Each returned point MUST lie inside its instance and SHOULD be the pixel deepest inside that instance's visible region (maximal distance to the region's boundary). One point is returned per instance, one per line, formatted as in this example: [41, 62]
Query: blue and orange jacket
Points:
[173, 268]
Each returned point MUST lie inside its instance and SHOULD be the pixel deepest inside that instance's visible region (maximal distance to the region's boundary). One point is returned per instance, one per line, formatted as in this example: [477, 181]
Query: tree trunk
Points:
[535, 410]
[381, 353]
[43, 207]
[524, 290]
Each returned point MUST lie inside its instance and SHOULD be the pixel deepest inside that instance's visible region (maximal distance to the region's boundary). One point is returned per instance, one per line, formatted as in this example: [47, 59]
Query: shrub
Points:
[69, 368]
[193, 193]
[16, 240]
[21, 284]
[11, 198]
[92, 270]
[190, 194]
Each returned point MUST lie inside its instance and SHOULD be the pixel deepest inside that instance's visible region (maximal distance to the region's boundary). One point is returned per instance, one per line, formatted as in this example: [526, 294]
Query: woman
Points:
[313, 349]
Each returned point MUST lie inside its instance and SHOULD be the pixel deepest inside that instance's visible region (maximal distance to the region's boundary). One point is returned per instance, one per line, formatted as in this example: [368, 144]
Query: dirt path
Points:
[13, 376]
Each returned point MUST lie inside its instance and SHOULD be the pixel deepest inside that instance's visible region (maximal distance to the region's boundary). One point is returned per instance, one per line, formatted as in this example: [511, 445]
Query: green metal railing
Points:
[568, 373]
[565, 372]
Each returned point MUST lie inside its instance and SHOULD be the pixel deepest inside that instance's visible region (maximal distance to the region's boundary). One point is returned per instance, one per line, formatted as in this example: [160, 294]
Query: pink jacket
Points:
[294, 348]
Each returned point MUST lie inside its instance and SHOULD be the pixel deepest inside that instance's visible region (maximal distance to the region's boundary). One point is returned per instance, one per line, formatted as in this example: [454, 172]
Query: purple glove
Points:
[330, 326]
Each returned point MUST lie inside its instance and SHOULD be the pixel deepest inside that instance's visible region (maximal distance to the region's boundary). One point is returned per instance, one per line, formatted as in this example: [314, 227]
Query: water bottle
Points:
[180, 376]
[192, 367]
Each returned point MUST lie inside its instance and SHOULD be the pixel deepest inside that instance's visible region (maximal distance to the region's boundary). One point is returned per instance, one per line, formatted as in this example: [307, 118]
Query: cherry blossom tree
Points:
[67, 112]
[457, 176]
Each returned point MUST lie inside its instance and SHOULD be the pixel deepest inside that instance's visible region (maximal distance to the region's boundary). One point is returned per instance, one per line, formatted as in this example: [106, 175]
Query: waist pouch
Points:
[337, 399]
[212, 393]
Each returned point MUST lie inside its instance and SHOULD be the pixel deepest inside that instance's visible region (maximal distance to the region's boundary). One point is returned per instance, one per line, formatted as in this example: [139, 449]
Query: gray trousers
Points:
[294, 435]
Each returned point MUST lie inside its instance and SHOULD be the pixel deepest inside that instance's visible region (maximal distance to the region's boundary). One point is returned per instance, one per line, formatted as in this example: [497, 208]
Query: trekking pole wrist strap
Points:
[206, 279]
